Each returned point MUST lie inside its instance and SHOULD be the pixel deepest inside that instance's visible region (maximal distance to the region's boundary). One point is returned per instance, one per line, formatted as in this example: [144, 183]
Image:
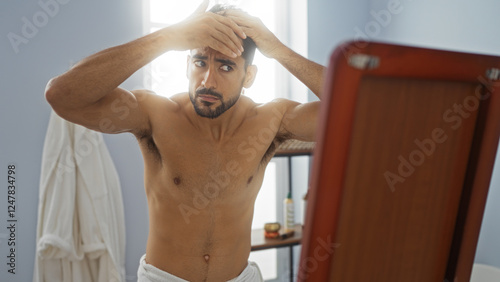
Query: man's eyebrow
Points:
[226, 62]
[200, 57]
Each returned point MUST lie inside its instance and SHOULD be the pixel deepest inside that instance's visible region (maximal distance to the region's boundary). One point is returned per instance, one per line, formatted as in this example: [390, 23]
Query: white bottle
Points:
[304, 209]
[289, 221]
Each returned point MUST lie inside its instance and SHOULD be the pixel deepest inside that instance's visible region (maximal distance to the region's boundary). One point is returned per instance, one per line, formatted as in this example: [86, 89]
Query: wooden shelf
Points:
[294, 147]
[259, 242]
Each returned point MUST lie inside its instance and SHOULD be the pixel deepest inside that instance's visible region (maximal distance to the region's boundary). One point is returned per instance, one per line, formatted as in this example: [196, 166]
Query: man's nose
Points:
[209, 80]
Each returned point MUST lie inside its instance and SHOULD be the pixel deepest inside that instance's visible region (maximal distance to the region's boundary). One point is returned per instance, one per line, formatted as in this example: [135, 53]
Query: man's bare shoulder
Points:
[156, 107]
[181, 99]
[283, 102]
[149, 100]
[277, 106]
[248, 104]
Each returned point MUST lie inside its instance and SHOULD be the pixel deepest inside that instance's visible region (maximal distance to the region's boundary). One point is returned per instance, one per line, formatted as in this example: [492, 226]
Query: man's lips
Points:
[208, 97]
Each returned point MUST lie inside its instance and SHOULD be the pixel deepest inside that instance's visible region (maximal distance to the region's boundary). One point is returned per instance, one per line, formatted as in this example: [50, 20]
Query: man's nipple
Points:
[177, 181]
[206, 257]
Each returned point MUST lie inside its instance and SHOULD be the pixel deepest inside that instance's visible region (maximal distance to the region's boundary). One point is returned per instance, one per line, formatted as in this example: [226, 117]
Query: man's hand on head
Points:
[206, 29]
[267, 43]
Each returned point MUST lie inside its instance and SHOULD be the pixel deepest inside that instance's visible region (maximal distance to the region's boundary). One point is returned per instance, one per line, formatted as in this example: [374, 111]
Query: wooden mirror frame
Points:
[376, 93]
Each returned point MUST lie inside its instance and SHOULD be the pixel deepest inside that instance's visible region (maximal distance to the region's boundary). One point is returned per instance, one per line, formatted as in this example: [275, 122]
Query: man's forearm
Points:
[95, 76]
[308, 72]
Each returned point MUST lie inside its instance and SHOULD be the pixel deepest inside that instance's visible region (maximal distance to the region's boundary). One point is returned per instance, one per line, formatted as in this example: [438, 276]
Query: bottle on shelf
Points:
[289, 221]
[304, 209]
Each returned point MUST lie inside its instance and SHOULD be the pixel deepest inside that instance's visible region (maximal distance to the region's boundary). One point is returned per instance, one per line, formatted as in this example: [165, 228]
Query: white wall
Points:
[78, 29]
[332, 22]
[463, 25]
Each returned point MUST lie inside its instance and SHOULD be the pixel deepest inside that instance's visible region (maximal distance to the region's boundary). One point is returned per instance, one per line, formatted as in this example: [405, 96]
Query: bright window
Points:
[168, 72]
[167, 76]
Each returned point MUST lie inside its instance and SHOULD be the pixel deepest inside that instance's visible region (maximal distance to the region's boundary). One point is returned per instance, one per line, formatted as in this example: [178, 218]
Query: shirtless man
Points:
[205, 151]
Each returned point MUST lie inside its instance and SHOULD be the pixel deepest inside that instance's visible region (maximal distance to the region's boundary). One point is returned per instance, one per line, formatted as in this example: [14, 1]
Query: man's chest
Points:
[192, 162]
[247, 144]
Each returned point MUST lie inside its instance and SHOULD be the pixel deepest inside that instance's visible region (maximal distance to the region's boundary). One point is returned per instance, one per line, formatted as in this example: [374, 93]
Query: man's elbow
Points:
[52, 92]
[55, 95]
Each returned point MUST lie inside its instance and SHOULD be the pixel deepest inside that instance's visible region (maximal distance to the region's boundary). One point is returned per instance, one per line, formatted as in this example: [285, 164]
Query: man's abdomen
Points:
[213, 245]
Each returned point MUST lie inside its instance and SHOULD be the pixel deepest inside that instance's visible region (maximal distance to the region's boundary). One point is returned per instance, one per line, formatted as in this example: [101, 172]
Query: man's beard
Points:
[207, 111]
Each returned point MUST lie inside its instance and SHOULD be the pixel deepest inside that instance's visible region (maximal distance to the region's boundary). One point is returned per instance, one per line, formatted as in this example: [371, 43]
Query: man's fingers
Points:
[221, 47]
[251, 26]
[233, 25]
[217, 31]
[228, 33]
[240, 18]
[224, 39]
[228, 36]
[249, 31]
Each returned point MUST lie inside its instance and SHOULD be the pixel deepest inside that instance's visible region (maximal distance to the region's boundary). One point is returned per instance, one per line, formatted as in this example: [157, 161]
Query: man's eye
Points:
[199, 63]
[226, 68]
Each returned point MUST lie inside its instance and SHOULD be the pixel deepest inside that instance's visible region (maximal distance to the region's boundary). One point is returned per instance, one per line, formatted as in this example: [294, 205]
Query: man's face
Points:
[215, 81]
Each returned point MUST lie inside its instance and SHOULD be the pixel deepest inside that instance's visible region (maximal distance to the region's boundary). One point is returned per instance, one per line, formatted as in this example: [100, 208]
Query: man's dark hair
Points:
[248, 43]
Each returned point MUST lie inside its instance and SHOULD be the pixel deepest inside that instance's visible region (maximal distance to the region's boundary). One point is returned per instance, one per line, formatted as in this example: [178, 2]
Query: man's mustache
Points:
[208, 91]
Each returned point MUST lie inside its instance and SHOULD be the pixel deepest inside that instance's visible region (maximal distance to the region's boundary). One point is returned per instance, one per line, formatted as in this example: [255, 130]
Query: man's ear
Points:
[250, 76]
[188, 66]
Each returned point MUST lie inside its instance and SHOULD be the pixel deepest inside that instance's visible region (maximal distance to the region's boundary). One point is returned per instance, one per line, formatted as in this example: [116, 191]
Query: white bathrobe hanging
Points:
[81, 229]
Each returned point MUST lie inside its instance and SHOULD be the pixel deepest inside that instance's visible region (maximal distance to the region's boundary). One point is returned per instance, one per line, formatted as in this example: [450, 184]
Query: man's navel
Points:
[249, 179]
[206, 257]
